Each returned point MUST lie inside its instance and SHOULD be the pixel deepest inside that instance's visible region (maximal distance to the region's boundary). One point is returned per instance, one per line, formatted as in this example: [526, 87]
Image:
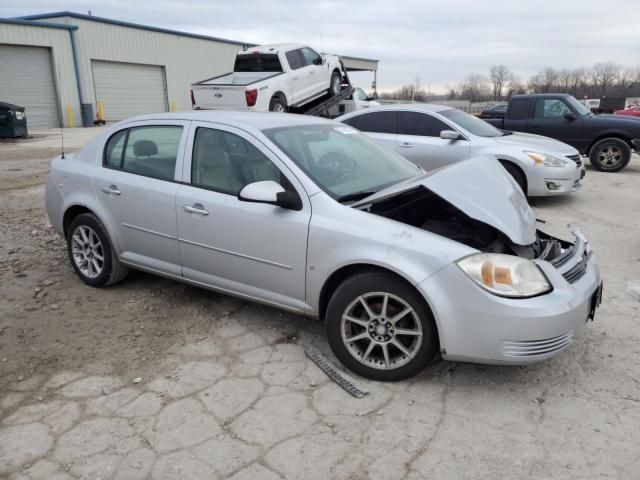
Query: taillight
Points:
[252, 96]
[193, 99]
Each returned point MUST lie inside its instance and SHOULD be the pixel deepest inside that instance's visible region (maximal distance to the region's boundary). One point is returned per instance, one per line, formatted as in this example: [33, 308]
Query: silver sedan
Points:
[312, 216]
[433, 136]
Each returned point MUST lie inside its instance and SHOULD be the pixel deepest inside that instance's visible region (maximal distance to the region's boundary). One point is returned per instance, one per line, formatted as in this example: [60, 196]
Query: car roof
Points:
[258, 120]
[272, 48]
[412, 107]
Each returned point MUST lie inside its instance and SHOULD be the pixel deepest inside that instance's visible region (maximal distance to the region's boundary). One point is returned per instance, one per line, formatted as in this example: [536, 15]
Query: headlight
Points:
[542, 159]
[505, 275]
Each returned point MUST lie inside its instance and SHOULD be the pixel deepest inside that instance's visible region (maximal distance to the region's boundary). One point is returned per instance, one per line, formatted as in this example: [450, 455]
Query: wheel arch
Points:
[504, 161]
[72, 212]
[341, 274]
[280, 93]
[612, 134]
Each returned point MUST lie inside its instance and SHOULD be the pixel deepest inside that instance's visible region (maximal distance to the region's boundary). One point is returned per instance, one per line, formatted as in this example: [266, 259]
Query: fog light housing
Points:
[556, 184]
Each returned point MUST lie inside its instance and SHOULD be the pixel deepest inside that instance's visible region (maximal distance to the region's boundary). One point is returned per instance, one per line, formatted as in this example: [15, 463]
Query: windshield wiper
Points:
[353, 197]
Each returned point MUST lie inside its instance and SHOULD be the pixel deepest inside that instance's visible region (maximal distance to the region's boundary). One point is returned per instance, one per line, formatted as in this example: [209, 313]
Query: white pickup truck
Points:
[271, 78]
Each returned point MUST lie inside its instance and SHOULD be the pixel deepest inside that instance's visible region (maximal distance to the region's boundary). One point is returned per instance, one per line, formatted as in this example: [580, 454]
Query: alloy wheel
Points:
[87, 251]
[381, 330]
[610, 156]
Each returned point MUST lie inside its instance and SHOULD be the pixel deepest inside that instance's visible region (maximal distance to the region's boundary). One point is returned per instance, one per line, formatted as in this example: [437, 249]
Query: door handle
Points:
[405, 145]
[111, 190]
[196, 208]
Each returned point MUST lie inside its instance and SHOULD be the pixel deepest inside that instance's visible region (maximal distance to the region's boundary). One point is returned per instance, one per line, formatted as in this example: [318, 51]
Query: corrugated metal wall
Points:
[62, 58]
[186, 60]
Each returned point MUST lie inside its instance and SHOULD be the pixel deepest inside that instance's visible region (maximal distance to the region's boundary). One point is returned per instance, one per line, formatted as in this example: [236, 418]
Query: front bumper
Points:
[477, 326]
[548, 181]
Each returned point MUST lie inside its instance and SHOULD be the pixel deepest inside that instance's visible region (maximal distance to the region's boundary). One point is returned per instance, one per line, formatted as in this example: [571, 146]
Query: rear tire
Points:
[517, 175]
[370, 342]
[91, 252]
[278, 105]
[335, 84]
[610, 155]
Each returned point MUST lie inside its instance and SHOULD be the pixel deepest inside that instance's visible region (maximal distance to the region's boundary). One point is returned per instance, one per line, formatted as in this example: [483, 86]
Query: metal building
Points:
[61, 65]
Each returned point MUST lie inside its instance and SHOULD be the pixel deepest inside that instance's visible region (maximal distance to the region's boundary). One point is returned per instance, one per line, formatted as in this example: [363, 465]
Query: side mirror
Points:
[449, 135]
[569, 116]
[270, 192]
[318, 61]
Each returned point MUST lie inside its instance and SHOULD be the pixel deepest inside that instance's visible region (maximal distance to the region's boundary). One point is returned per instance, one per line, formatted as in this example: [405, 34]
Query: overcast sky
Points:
[439, 42]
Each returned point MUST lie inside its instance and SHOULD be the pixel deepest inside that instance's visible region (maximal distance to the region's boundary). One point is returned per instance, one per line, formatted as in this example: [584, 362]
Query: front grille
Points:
[534, 348]
[576, 272]
[576, 159]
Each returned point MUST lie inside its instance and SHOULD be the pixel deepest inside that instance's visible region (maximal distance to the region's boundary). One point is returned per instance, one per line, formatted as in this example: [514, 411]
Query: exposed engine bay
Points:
[424, 209]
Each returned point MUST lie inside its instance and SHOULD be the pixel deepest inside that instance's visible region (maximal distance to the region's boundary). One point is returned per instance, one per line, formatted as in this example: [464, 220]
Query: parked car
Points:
[312, 216]
[633, 111]
[433, 136]
[271, 78]
[497, 111]
[359, 100]
[606, 139]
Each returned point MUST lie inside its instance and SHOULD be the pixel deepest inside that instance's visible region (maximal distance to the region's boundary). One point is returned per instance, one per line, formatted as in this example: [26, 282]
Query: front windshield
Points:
[580, 109]
[341, 160]
[472, 124]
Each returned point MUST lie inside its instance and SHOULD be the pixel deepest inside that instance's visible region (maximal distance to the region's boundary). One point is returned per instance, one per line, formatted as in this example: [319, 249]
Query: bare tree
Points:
[475, 87]
[604, 75]
[499, 76]
[514, 87]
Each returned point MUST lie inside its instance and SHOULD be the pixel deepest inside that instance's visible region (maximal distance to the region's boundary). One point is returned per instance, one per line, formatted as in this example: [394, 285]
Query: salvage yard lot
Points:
[155, 379]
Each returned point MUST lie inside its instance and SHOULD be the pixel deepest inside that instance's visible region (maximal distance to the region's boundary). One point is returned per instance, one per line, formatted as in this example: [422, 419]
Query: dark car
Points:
[494, 112]
[607, 139]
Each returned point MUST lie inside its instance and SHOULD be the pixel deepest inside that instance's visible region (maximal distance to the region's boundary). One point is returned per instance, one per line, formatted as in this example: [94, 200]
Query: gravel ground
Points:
[154, 379]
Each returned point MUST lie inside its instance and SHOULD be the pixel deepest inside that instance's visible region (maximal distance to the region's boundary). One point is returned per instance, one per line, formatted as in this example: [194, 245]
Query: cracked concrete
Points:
[227, 392]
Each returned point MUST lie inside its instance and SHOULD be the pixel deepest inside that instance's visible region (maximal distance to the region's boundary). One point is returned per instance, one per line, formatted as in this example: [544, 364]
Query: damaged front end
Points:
[422, 208]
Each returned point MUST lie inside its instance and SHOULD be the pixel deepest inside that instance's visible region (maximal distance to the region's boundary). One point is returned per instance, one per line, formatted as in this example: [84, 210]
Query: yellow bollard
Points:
[100, 110]
[173, 106]
[70, 115]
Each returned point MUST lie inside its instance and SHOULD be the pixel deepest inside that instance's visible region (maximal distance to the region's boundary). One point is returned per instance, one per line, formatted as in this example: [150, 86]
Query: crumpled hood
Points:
[481, 188]
[536, 142]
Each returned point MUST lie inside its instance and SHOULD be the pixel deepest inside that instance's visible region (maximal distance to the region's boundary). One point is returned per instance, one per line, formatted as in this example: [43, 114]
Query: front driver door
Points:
[419, 141]
[253, 249]
[549, 120]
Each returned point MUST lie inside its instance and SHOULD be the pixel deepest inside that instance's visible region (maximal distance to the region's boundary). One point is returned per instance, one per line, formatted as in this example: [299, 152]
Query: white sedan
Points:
[433, 136]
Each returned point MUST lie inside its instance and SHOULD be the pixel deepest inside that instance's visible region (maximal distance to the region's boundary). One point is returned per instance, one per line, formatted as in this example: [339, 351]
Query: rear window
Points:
[257, 62]
[377, 122]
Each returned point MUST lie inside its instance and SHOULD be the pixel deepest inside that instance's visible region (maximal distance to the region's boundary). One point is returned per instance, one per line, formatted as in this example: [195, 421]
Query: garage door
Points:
[26, 79]
[128, 89]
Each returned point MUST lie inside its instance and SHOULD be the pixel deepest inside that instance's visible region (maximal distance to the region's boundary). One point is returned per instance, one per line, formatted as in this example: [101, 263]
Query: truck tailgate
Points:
[219, 97]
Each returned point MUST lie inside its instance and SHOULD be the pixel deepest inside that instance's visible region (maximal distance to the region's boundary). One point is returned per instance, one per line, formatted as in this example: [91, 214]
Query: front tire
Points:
[91, 252]
[610, 155]
[380, 327]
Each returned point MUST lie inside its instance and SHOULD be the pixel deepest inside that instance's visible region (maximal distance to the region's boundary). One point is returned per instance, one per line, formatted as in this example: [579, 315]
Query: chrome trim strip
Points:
[236, 254]
[164, 235]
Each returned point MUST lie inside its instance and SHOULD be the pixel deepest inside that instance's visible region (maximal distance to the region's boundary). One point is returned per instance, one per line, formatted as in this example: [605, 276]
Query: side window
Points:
[114, 148]
[224, 162]
[360, 93]
[422, 124]
[152, 151]
[295, 59]
[518, 109]
[311, 57]
[550, 108]
[376, 122]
